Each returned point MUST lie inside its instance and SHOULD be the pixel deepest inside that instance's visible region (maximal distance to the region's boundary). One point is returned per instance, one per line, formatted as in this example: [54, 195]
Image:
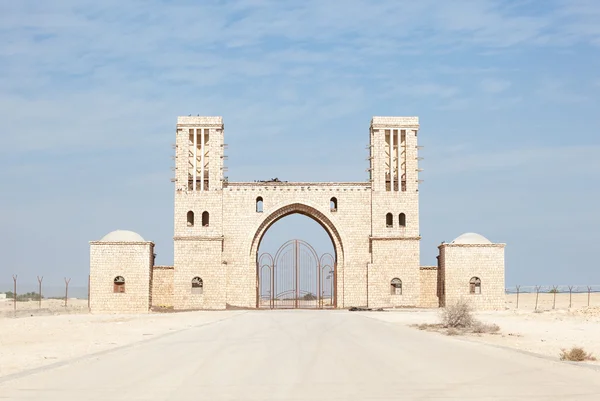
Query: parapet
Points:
[203, 121]
[395, 122]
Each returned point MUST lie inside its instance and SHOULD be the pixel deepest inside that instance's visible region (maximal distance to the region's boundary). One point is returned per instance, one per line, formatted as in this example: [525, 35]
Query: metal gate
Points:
[296, 277]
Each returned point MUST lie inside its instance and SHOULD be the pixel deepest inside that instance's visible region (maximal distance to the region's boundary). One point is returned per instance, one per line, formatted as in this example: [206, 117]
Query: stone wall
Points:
[393, 258]
[429, 287]
[348, 227]
[224, 252]
[199, 257]
[461, 262]
[131, 260]
[369, 252]
[162, 286]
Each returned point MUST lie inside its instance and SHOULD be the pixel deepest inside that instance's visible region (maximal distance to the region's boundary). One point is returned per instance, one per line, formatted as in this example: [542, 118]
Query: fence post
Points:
[554, 291]
[15, 292]
[570, 295]
[518, 288]
[589, 292]
[40, 290]
[66, 290]
[537, 294]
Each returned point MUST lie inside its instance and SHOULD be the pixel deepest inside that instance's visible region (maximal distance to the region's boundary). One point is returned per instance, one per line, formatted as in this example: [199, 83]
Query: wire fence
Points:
[28, 296]
[20, 295]
[553, 296]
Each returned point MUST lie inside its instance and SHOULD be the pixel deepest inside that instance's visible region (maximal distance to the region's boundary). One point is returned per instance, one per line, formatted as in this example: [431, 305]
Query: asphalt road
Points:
[305, 355]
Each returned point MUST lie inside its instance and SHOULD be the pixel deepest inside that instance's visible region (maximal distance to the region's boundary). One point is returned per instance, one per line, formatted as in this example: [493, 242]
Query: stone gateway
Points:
[373, 225]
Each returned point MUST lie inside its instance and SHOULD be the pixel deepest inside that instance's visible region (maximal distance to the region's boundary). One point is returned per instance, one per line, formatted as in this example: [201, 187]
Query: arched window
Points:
[119, 284]
[204, 219]
[333, 204]
[396, 286]
[197, 285]
[389, 220]
[259, 204]
[402, 220]
[475, 285]
[190, 219]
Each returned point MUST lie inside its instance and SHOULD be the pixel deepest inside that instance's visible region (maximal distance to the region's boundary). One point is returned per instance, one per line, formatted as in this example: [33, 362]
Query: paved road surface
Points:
[304, 356]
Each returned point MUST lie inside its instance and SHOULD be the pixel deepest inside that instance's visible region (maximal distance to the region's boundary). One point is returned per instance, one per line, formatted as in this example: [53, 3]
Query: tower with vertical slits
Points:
[199, 211]
[394, 206]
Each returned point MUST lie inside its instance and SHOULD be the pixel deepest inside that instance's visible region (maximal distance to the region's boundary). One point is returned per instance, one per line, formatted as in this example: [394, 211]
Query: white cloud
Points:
[97, 68]
[563, 160]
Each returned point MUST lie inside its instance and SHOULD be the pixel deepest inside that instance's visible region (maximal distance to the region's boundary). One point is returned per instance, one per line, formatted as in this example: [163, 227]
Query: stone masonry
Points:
[373, 225]
[117, 255]
[472, 258]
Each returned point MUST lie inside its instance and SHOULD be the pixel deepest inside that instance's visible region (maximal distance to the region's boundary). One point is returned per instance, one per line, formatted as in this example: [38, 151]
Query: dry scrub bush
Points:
[459, 318]
[427, 326]
[452, 332]
[576, 354]
[479, 327]
[457, 315]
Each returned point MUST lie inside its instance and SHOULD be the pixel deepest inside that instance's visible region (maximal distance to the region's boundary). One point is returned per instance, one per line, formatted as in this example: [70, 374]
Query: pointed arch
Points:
[321, 219]
[305, 210]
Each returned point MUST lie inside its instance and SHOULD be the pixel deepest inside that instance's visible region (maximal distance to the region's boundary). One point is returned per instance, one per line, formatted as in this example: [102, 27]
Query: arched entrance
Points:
[296, 276]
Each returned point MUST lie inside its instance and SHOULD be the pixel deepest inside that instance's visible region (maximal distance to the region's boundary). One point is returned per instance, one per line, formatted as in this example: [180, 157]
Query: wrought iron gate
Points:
[296, 277]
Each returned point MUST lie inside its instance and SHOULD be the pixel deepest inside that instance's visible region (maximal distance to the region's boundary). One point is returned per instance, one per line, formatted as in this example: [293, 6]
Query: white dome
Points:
[471, 238]
[122, 236]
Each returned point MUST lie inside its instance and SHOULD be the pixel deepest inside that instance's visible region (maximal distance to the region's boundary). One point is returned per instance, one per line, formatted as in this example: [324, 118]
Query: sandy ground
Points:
[47, 307]
[544, 333]
[29, 342]
[38, 337]
[290, 355]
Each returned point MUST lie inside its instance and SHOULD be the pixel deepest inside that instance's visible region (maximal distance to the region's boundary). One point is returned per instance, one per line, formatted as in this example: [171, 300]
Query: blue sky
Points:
[507, 92]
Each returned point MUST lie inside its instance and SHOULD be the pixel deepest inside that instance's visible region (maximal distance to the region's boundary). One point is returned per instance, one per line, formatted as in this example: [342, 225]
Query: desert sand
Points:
[54, 333]
[287, 355]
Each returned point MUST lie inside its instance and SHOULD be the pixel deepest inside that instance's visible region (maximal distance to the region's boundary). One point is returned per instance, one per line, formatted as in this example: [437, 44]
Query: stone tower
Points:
[199, 213]
[373, 226]
[394, 210]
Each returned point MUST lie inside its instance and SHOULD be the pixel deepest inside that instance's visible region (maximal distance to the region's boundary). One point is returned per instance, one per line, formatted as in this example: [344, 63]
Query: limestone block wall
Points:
[131, 260]
[429, 287]
[461, 262]
[394, 258]
[198, 203]
[214, 150]
[162, 286]
[395, 248]
[395, 251]
[198, 257]
[395, 201]
[369, 252]
[241, 222]
[226, 250]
